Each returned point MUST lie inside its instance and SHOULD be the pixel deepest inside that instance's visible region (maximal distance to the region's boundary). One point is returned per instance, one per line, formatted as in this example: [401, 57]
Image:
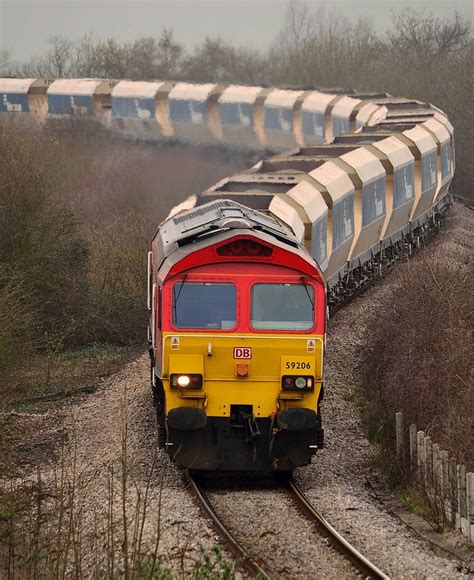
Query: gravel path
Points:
[336, 481]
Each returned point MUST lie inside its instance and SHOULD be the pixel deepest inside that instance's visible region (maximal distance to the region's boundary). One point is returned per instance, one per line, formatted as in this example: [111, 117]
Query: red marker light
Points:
[254, 248]
[248, 248]
[195, 380]
[237, 247]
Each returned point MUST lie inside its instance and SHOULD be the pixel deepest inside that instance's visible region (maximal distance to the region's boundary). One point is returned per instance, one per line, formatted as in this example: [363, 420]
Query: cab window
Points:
[204, 305]
[282, 307]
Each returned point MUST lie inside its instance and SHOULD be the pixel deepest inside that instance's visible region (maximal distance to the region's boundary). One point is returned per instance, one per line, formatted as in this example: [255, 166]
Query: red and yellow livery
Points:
[237, 331]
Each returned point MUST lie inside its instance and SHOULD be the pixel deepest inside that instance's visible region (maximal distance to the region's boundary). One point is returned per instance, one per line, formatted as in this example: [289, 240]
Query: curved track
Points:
[357, 559]
[247, 561]
[256, 567]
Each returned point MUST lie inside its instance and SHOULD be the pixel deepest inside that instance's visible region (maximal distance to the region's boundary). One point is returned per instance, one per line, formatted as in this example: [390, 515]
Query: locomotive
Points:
[237, 332]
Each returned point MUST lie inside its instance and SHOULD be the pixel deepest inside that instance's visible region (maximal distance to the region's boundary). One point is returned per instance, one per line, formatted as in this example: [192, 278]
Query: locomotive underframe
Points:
[240, 442]
[224, 446]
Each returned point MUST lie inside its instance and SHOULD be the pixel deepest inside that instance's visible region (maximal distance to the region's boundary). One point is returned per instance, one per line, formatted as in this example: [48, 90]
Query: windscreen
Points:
[282, 306]
[204, 305]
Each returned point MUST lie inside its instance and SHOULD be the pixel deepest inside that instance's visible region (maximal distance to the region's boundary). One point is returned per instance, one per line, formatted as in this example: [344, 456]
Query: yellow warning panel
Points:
[184, 364]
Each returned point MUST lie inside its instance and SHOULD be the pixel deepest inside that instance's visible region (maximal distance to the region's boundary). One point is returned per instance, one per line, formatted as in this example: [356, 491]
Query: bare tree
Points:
[420, 35]
[146, 58]
[322, 48]
[57, 62]
[85, 57]
[170, 54]
[109, 59]
[60, 56]
[5, 63]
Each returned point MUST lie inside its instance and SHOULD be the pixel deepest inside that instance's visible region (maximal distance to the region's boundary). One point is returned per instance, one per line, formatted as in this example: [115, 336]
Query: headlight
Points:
[182, 381]
[300, 382]
[297, 383]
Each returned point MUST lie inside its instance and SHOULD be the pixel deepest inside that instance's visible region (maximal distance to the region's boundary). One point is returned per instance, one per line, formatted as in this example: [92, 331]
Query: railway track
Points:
[358, 560]
[256, 567]
[248, 562]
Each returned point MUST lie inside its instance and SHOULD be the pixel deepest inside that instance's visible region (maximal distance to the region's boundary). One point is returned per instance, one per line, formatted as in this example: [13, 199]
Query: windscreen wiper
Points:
[176, 298]
[309, 295]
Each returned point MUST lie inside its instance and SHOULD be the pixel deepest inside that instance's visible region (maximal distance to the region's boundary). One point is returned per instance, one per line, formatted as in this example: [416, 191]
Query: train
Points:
[237, 330]
[243, 276]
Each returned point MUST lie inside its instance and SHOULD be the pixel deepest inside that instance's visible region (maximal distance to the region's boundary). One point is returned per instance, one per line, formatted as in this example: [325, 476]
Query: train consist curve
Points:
[239, 275]
[363, 179]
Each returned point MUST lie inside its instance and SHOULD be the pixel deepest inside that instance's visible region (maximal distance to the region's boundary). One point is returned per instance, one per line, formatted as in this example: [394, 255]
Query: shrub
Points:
[78, 208]
[419, 355]
[16, 320]
[40, 241]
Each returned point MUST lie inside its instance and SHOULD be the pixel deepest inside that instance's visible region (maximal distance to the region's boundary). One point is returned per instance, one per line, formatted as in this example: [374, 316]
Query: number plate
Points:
[294, 365]
[244, 352]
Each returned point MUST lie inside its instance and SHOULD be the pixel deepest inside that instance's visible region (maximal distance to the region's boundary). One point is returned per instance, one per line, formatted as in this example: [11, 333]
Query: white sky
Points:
[26, 25]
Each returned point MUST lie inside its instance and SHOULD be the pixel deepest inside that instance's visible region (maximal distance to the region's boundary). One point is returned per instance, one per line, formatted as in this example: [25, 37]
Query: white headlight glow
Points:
[183, 381]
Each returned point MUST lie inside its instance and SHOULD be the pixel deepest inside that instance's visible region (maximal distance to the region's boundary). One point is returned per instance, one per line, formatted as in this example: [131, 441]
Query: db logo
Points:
[240, 352]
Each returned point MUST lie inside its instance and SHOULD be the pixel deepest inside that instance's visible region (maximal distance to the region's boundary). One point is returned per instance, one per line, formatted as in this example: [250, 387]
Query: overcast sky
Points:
[26, 25]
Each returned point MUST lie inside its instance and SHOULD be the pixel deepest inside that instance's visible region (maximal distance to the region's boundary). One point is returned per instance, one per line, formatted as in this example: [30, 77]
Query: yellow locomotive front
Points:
[237, 350]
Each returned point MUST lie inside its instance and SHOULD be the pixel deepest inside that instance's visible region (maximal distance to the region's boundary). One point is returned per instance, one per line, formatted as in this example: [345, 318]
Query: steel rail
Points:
[357, 559]
[247, 562]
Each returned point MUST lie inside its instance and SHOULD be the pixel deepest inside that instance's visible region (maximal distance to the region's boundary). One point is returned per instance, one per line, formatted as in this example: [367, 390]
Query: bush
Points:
[16, 322]
[419, 355]
[41, 246]
[78, 208]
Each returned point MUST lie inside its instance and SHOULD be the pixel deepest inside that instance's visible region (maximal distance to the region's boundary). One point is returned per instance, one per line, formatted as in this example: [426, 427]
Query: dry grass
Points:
[419, 358]
[77, 212]
[49, 529]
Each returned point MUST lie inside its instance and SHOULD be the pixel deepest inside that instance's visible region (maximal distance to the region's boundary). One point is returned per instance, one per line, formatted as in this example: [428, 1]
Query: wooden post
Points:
[399, 434]
[470, 506]
[420, 437]
[453, 491]
[444, 490]
[458, 496]
[428, 462]
[463, 525]
[437, 476]
[413, 447]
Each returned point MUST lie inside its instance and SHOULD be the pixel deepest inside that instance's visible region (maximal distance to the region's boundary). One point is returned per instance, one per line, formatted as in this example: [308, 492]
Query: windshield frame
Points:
[183, 281]
[302, 283]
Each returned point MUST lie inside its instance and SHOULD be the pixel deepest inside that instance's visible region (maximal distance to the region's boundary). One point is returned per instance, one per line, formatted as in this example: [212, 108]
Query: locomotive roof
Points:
[213, 218]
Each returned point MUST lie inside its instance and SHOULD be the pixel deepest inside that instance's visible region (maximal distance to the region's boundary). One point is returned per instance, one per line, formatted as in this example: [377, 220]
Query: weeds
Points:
[419, 355]
[68, 521]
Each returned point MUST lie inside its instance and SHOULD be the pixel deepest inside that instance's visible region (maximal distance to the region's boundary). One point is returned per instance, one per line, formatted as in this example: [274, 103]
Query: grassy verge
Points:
[61, 520]
[48, 378]
[33, 394]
